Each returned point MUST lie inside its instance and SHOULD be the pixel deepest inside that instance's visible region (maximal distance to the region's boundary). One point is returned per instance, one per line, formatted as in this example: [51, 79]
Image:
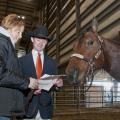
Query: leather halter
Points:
[95, 57]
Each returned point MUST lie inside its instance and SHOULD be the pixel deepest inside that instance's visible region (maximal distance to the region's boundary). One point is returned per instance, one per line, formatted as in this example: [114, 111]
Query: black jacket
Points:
[11, 83]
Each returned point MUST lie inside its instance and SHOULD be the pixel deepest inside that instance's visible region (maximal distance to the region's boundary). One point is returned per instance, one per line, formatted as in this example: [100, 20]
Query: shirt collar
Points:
[36, 52]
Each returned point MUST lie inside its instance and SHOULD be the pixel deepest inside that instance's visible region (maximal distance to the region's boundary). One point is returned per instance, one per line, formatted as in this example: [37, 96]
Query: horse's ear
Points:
[94, 25]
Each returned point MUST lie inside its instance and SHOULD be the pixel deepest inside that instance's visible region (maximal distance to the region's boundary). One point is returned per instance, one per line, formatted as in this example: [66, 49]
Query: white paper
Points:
[46, 84]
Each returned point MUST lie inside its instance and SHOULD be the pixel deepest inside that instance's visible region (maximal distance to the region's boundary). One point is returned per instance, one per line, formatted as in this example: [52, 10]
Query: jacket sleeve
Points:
[9, 78]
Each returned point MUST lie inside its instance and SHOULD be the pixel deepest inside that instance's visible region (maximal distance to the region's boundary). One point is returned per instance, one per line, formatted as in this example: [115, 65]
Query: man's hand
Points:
[38, 91]
[33, 83]
[59, 82]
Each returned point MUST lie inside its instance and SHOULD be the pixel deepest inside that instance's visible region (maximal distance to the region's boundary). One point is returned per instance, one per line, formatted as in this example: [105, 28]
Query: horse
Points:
[91, 53]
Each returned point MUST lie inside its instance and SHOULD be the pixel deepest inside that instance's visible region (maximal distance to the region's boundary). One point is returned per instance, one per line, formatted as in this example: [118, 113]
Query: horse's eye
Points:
[90, 42]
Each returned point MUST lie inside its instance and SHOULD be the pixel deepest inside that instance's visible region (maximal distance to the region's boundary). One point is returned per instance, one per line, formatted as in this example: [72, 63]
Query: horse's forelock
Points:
[76, 45]
[88, 35]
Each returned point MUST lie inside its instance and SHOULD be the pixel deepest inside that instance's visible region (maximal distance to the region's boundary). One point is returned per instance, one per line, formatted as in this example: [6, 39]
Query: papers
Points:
[47, 81]
[52, 77]
[46, 84]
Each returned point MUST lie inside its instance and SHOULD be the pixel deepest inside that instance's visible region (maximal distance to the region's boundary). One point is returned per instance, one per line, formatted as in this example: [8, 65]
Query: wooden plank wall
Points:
[22, 8]
[67, 19]
[19, 7]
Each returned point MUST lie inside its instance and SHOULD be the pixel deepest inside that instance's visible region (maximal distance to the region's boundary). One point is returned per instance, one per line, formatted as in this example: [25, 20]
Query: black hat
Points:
[40, 32]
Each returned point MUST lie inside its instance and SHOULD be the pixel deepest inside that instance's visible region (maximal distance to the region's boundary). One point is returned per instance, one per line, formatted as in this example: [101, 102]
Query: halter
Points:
[91, 62]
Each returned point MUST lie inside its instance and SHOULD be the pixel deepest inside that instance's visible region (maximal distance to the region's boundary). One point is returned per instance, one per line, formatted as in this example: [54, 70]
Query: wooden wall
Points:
[19, 7]
[67, 19]
[23, 8]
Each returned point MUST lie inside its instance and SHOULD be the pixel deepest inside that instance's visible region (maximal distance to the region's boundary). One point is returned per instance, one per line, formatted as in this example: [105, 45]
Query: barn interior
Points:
[67, 20]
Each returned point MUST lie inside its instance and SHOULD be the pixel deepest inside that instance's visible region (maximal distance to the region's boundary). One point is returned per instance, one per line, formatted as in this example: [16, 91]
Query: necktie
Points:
[38, 66]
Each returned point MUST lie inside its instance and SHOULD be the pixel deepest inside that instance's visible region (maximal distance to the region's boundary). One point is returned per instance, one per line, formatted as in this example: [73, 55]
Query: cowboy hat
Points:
[40, 32]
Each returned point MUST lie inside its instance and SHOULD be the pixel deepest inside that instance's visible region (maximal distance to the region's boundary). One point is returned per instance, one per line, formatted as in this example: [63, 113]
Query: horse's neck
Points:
[111, 53]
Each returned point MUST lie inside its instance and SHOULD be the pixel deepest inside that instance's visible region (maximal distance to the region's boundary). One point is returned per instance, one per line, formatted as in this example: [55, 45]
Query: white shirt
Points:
[35, 54]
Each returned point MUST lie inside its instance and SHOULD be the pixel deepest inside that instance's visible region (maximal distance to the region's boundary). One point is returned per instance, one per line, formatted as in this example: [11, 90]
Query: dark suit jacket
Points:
[42, 102]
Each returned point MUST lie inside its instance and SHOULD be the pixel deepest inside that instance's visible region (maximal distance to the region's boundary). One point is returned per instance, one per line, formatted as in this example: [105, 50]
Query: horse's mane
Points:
[111, 40]
[115, 41]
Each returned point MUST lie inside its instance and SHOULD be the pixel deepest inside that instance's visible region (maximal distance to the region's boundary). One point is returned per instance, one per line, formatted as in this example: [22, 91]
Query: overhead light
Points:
[19, 16]
[23, 17]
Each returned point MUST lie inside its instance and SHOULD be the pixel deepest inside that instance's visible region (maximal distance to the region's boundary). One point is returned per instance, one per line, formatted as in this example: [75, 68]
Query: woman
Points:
[11, 82]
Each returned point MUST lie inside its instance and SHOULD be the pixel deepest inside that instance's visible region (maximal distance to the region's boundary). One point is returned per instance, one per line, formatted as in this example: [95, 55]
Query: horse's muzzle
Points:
[73, 75]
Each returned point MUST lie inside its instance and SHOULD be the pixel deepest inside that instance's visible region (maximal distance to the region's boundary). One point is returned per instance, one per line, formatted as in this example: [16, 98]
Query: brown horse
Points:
[91, 53]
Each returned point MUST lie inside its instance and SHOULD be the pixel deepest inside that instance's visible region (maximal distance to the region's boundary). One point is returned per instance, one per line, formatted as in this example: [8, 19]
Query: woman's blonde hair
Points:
[11, 21]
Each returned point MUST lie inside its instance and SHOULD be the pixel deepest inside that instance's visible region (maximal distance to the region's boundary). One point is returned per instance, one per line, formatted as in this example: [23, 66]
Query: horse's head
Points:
[86, 58]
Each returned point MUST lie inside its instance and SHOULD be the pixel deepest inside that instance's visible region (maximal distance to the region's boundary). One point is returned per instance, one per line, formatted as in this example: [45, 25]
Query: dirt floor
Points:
[90, 114]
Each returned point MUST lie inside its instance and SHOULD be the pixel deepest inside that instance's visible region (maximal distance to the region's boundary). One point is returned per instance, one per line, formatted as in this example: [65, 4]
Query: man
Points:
[41, 105]
[11, 82]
